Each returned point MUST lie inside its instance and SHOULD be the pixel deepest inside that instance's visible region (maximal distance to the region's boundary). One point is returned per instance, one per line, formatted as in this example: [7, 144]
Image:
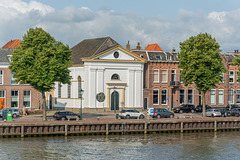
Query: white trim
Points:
[157, 95]
[166, 76]
[157, 76]
[222, 97]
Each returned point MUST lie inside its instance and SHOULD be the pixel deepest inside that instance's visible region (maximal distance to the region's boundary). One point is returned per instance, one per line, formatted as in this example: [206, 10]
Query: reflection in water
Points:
[153, 146]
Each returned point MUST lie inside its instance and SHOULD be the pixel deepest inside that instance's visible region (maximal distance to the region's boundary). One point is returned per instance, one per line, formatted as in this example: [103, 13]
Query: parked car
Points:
[200, 107]
[235, 112]
[150, 111]
[213, 113]
[131, 113]
[14, 111]
[231, 106]
[62, 115]
[184, 108]
[225, 112]
[162, 113]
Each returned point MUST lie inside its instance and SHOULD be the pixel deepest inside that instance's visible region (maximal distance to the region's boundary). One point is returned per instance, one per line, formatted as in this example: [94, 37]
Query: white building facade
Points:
[111, 79]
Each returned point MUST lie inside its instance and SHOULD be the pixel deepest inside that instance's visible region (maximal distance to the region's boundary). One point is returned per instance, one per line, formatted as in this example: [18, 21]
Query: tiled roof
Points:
[12, 44]
[4, 52]
[153, 47]
[90, 47]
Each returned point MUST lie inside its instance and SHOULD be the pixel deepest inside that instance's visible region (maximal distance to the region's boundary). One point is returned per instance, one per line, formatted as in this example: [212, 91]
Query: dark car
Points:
[184, 108]
[200, 107]
[231, 106]
[162, 113]
[225, 112]
[63, 115]
[235, 112]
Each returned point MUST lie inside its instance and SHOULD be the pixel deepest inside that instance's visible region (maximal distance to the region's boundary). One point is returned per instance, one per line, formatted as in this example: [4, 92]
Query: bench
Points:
[72, 117]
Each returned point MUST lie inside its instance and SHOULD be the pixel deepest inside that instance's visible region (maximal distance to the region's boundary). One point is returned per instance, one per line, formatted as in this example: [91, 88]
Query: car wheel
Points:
[63, 118]
[171, 116]
[158, 116]
[141, 117]
[192, 111]
[181, 111]
[127, 117]
[14, 115]
[212, 115]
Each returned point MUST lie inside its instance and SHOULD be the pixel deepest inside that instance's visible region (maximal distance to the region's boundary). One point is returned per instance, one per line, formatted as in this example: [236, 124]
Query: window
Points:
[230, 96]
[222, 75]
[190, 96]
[116, 54]
[13, 79]
[27, 99]
[59, 90]
[182, 96]
[69, 90]
[181, 79]
[231, 76]
[2, 94]
[221, 96]
[238, 77]
[1, 77]
[164, 76]
[173, 76]
[155, 97]
[158, 57]
[238, 95]
[115, 77]
[14, 98]
[155, 76]
[141, 55]
[212, 96]
[79, 87]
[164, 96]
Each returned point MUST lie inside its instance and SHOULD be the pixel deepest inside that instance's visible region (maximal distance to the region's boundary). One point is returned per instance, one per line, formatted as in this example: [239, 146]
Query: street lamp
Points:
[81, 93]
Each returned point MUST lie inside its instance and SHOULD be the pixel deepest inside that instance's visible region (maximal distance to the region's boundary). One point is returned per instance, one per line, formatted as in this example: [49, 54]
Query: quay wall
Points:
[116, 127]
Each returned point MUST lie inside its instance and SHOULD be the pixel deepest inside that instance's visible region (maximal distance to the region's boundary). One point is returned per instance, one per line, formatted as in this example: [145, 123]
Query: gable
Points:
[117, 54]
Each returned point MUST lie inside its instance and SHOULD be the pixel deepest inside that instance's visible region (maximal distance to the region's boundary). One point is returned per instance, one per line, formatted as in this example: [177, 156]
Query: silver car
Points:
[131, 113]
[213, 113]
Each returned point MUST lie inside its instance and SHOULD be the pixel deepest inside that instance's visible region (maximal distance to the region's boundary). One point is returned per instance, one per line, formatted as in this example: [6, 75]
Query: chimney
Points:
[128, 46]
[138, 46]
[173, 50]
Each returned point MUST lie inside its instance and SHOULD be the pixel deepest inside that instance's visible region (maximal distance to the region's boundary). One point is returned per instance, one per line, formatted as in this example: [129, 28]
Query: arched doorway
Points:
[115, 101]
[50, 101]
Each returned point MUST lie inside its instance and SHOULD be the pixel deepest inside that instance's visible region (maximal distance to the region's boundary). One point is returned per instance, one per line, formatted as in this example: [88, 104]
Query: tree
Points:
[41, 61]
[201, 63]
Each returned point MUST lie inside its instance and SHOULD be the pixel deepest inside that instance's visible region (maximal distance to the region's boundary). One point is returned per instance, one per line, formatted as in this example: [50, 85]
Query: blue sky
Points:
[166, 22]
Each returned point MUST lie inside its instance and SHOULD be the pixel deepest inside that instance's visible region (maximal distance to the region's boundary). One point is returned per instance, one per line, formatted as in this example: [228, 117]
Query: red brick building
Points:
[14, 94]
[163, 86]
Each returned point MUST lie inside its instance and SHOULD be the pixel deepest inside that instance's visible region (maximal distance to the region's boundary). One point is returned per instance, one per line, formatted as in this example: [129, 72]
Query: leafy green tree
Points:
[201, 63]
[41, 61]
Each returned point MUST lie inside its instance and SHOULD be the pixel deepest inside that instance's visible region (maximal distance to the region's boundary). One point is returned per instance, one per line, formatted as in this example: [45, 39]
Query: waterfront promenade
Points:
[105, 124]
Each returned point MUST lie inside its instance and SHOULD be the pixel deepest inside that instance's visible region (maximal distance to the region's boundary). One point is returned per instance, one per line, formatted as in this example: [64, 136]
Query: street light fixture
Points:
[81, 93]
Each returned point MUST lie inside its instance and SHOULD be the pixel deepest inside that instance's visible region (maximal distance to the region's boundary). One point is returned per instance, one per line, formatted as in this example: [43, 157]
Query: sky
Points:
[165, 22]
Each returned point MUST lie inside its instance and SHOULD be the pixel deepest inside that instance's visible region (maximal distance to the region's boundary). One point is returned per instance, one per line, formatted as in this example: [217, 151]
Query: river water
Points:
[205, 146]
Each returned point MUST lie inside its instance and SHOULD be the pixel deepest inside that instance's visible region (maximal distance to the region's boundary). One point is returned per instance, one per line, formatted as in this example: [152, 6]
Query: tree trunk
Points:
[44, 106]
[203, 106]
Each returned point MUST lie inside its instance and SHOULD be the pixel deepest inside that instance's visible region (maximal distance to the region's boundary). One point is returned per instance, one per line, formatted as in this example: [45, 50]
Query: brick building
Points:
[13, 94]
[163, 86]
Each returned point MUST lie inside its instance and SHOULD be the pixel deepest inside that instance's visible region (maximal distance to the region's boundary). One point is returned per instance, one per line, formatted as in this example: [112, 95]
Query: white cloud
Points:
[71, 25]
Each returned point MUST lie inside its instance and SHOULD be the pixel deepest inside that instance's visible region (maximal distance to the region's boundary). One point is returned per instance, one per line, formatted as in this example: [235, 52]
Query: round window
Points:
[116, 54]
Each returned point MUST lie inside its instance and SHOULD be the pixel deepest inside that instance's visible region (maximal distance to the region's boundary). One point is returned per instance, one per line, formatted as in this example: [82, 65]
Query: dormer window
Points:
[116, 54]
[115, 77]
[158, 57]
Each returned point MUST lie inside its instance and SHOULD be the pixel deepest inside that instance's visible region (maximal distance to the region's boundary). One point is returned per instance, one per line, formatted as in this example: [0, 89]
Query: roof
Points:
[12, 44]
[153, 47]
[91, 47]
[4, 52]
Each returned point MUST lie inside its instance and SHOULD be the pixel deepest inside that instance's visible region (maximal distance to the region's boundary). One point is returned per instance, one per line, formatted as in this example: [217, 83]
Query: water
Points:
[205, 146]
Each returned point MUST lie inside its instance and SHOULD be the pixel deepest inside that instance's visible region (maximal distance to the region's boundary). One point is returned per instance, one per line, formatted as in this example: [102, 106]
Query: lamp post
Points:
[81, 93]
